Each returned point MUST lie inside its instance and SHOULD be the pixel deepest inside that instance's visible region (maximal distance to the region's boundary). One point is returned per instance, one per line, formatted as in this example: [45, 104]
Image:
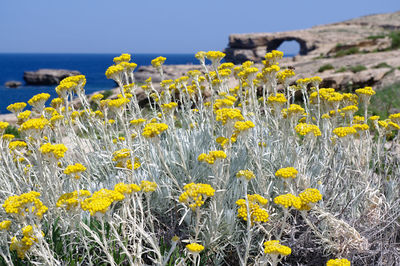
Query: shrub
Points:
[395, 36]
[357, 68]
[342, 69]
[242, 179]
[350, 51]
[325, 67]
[383, 65]
[374, 37]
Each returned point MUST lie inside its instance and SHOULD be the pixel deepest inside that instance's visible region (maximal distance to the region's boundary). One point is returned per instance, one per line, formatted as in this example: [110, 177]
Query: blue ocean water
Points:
[93, 66]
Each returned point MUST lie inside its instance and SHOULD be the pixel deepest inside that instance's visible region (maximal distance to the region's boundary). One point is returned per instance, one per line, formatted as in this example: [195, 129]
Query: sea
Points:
[93, 66]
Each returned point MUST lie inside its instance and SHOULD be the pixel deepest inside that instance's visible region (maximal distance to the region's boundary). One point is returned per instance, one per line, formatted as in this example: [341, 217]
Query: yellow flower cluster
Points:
[16, 107]
[294, 110]
[284, 75]
[272, 57]
[351, 109]
[137, 122]
[257, 214]
[288, 172]
[243, 126]
[228, 114]
[367, 91]
[4, 225]
[25, 203]
[71, 200]
[119, 103]
[126, 188]
[361, 127]
[34, 125]
[307, 129]
[23, 116]
[56, 151]
[194, 248]
[245, 175]
[8, 137]
[196, 194]
[152, 130]
[100, 201]
[310, 195]
[97, 98]
[158, 62]
[136, 164]
[148, 186]
[211, 157]
[122, 154]
[75, 169]
[338, 262]
[169, 106]
[214, 55]
[17, 145]
[122, 58]
[288, 200]
[39, 99]
[114, 71]
[273, 247]
[22, 246]
[227, 102]
[344, 131]
[279, 98]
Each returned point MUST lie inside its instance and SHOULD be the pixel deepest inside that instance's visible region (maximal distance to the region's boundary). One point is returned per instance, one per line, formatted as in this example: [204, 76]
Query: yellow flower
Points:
[229, 114]
[75, 169]
[273, 247]
[4, 225]
[245, 175]
[310, 195]
[16, 108]
[17, 145]
[194, 248]
[148, 186]
[338, 262]
[126, 188]
[243, 126]
[158, 62]
[71, 200]
[122, 58]
[152, 130]
[196, 194]
[34, 126]
[257, 214]
[56, 151]
[39, 100]
[24, 204]
[307, 129]
[211, 157]
[100, 201]
[288, 200]
[288, 172]
[367, 91]
[344, 131]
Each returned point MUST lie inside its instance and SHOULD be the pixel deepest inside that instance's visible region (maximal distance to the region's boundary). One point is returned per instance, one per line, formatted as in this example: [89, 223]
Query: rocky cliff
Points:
[320, 40]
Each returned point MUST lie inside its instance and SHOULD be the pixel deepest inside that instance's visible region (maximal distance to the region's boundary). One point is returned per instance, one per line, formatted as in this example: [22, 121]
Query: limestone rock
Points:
[48, 76]
[13, 84]
[317, 41]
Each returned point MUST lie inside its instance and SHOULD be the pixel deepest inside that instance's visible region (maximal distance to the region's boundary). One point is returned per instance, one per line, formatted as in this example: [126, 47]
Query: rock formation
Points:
[13, 84]
[48, 76]
[318, 40]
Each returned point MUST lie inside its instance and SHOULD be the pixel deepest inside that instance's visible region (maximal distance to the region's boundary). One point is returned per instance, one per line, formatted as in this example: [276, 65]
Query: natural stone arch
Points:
[275, 43]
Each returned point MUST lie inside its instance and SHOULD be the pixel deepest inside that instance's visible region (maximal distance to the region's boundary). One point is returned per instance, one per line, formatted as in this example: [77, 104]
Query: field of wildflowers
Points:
[270, 171]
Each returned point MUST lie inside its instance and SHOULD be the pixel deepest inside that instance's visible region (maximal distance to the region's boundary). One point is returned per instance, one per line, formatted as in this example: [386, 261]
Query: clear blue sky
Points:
[163, 26]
